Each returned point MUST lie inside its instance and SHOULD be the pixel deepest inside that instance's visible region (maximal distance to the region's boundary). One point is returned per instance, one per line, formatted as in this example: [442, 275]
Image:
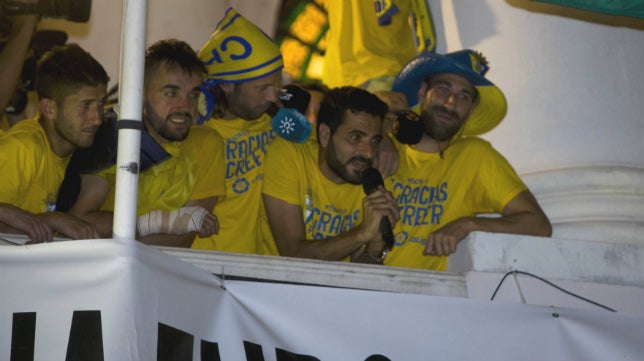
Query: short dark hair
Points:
[174, 54]
[63, 70]
[337, 100]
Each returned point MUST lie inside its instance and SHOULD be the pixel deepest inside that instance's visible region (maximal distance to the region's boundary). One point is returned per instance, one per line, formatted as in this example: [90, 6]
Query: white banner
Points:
[107, 300]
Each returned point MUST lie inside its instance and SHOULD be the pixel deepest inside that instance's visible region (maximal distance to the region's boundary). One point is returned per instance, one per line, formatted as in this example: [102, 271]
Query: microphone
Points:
[408, 127]
[295, 97]
[371, 180]
[289, 121]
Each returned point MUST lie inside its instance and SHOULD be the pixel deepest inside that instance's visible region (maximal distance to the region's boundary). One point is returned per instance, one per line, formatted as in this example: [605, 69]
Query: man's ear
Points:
[324, 134]
[48, 108]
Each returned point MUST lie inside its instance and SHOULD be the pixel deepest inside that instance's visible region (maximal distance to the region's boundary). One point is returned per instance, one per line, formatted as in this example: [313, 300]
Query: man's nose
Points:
[368, 149]
[450, 101]
[95, 115]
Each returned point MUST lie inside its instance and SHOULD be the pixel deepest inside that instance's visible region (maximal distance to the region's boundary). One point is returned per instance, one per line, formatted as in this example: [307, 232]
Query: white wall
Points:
[574, 87]
[575, 123]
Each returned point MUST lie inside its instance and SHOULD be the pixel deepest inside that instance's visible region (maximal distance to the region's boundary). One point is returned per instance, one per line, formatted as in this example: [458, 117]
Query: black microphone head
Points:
[371, 180]
[408, 127]
[295, 97]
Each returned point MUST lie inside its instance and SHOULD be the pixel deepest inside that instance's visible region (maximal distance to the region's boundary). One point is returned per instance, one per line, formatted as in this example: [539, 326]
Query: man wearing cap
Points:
[451, 175]
[244, 75]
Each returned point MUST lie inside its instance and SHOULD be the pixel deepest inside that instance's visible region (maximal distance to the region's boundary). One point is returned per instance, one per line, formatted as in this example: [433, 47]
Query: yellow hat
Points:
[237, 51]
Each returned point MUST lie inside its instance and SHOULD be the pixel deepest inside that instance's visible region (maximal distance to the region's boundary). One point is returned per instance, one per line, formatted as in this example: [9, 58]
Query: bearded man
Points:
[182, 165]
[313, 198]
[448, 178]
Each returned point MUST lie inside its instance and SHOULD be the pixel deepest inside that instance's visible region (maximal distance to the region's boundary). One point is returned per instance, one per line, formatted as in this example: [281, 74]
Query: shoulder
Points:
[202, 133]
[473, 145]
[281, 145]
[473, 142]
[203, 144]
[26, 135]
[286, 154]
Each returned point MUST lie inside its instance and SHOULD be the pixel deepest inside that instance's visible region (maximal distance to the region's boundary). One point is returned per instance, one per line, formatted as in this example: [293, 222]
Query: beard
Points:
[342, 169]
[163, 126]
[438, 130]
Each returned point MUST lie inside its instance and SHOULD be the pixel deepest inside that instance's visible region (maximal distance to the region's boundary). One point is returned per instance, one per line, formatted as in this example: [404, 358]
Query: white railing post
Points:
[130, 113]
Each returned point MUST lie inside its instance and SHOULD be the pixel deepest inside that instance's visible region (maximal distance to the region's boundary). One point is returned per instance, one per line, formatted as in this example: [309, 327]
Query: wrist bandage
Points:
[180, 221]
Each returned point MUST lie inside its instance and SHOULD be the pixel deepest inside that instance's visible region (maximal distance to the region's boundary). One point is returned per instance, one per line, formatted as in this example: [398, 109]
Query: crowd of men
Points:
[215, 175]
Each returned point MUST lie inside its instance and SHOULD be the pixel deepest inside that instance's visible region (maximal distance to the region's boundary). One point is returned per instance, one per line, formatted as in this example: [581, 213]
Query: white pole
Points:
[129, 123]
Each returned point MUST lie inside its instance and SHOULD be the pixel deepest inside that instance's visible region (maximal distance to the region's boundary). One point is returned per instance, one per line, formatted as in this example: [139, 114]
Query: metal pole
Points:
[129, 123]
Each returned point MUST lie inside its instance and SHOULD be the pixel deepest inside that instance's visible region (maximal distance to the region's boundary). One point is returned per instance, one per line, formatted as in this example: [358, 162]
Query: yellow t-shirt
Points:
[4, 124]
[194, 171]
[31, 172]
[431, 191]
[245, 144]
[292, 174]
[359, 48]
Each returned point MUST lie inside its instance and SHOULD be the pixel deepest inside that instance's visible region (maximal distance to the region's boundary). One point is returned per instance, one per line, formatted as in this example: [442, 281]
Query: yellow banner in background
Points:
[303, 26]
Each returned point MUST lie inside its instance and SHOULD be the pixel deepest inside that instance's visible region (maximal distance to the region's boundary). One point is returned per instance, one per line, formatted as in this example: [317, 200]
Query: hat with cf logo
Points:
[237, 51]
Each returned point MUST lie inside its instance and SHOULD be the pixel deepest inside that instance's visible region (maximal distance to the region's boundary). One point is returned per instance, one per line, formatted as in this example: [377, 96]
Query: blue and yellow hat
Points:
[492, 105]
[237, 51]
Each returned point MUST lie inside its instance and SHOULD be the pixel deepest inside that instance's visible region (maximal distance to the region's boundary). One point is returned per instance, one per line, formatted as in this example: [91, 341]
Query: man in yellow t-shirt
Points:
[450, 175]
[177, 191]
[34, 153]
[244, 75]
[314, 202]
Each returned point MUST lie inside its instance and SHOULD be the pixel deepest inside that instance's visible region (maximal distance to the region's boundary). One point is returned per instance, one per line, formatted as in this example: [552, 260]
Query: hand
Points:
[29, 223]
[395, 101]
[69, 225]
[376, 205]
[209, 225]
[387, 159]
[443, 241]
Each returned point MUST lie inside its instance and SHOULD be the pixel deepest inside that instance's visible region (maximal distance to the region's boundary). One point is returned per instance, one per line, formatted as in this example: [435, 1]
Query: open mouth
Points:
[180, 120]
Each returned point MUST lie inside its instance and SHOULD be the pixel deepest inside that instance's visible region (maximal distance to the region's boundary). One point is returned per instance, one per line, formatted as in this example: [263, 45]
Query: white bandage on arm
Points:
[180, 221]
